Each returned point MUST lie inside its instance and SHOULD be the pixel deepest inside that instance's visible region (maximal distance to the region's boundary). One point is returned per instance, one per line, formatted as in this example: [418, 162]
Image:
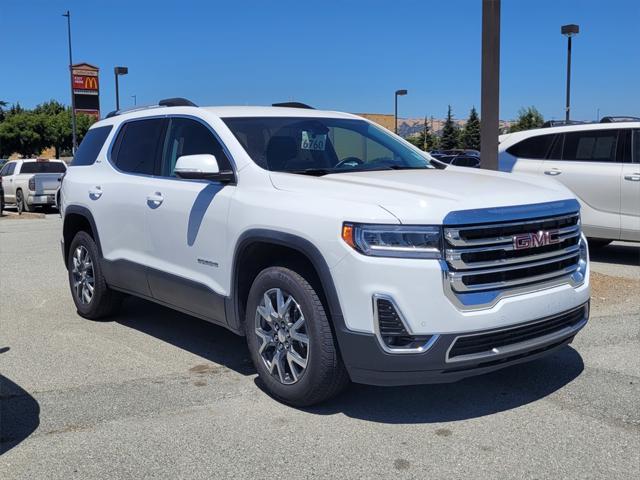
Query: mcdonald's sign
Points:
[86, 89]
[84, 82]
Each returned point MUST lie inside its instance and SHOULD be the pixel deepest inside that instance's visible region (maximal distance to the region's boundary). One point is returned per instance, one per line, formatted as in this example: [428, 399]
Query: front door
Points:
[188, 226]
[588, 166]
[630, 204]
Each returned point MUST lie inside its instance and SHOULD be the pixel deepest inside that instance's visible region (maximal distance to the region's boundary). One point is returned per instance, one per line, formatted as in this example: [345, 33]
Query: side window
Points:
[8, 169]
[137, 146]
[91, 145]
[535, 148]
[636, 148]
[591, 146]
[189, 137]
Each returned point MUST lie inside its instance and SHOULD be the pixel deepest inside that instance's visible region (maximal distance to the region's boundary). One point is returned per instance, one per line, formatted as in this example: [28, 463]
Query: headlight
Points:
[406, 241]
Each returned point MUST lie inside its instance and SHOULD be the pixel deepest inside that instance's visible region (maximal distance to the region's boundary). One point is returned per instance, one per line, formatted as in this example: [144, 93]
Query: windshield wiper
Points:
[318, 172]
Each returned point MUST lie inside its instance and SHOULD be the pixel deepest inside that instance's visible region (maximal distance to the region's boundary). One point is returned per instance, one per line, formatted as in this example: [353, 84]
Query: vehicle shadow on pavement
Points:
[202, 338]
[473, 397]
[19, 414]
[620, 254]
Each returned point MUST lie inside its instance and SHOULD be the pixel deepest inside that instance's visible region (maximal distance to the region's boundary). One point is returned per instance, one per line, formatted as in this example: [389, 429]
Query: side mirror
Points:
[202, 167]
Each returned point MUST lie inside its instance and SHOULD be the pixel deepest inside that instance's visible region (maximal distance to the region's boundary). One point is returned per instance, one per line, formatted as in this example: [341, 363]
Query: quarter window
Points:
[91, 146]
[189, 137]
[535, 148]
[137, 146]
[591, 146]
[636, 148]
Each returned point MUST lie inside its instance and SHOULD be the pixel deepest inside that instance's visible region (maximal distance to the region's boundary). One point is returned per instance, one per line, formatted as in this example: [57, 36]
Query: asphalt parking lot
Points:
[157, 394]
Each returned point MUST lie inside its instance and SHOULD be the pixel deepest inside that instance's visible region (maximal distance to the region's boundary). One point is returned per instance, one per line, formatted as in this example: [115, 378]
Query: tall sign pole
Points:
[74, 140]
[490, 89]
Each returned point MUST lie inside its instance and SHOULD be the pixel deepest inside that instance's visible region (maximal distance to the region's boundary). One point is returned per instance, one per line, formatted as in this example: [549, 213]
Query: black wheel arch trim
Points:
[86, 213]
[303, 246]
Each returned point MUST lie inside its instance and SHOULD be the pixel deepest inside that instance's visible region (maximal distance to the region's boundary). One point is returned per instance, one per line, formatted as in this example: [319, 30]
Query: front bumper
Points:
[368, 363]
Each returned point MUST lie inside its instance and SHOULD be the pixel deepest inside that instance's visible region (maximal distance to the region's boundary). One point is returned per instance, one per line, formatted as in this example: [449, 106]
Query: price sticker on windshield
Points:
[311, 141]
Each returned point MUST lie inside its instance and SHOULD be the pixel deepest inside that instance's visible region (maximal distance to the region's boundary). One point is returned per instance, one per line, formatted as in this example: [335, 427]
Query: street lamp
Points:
[569, 31]
[395, 116]
[119, 71]
[74, 137]
[135, 100]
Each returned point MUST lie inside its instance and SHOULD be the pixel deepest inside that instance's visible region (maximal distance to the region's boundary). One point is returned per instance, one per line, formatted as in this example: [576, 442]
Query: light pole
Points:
[117, 72]
[135, 100]
[569, 31]
[395, 116]
[74, 137]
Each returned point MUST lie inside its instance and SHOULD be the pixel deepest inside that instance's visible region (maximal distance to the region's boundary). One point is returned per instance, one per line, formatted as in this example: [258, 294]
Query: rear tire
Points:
[21, 203]
[91, 294]
[294, 323]
[597, 243]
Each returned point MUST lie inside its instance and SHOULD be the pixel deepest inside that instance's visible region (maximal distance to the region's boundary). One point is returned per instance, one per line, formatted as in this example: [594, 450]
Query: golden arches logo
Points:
[91, 83]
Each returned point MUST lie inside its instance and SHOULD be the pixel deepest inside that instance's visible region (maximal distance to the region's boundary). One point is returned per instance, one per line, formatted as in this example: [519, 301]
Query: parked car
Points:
[1, 197]
[31, 183]
[460, 160]
[455, 152]
[336, 247]
[599, 162]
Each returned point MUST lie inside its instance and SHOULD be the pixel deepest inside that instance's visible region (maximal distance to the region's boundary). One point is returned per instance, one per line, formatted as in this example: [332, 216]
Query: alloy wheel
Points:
[82, 272]
[280, 326]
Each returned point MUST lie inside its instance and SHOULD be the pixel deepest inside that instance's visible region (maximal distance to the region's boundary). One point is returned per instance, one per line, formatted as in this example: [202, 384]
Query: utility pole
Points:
[74, 137]
[424, 138]
[490, 88]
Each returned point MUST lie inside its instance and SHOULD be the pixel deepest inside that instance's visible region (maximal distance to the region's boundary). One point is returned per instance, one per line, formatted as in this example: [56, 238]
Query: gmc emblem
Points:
[533, 240]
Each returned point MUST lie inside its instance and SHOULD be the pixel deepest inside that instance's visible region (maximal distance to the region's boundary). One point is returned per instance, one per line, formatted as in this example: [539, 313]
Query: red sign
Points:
[84, 82]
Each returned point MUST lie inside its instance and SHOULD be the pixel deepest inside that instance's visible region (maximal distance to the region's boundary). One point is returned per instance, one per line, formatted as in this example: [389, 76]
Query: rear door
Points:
[587, 163]
[630, 202]
[187, 222]
[118, 201]
[531, 152]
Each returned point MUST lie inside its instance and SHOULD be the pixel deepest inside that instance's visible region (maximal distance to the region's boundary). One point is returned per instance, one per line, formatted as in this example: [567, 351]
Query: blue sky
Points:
[338, 54]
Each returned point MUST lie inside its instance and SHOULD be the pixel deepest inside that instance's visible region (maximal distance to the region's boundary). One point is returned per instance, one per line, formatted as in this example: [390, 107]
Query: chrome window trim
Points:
[497, 353]
[376, 328]
[169, 116]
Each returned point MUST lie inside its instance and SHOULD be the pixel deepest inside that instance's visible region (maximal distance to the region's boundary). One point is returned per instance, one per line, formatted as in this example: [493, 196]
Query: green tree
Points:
[23, 133]
[425, 140]
[470, 137]
[450, 135]
[3, 104]
[528, 118]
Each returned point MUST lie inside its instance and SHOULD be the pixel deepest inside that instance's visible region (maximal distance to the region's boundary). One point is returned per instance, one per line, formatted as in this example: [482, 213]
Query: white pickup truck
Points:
[31, 183]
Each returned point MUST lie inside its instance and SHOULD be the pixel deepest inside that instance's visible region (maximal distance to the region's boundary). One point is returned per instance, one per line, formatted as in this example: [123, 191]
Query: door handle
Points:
[95, 193]
[155, 200]
[633, 177]
[553, 172]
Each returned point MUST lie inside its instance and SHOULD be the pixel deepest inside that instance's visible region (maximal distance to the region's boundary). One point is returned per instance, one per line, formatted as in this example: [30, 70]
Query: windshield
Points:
[317, 146]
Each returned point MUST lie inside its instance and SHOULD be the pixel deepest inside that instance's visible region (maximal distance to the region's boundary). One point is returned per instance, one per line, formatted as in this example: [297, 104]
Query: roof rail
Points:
[613, 119]
[292, 105]
[176, 102]
[167, 102]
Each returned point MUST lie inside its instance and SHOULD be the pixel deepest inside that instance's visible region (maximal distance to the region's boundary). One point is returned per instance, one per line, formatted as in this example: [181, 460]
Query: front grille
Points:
[490, 343]
[485, 257]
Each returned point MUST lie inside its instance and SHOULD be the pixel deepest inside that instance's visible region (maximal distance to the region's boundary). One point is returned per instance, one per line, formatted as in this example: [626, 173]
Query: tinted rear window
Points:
[533, 147]
[91, 146]
[137, 146]
[591, 146]
[43, 167]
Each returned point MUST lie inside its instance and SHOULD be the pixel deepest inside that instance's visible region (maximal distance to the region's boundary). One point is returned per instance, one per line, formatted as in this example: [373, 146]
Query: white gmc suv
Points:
[338, 249]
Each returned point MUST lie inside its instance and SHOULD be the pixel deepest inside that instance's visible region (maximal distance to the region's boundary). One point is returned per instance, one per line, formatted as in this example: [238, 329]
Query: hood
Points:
[427, 196]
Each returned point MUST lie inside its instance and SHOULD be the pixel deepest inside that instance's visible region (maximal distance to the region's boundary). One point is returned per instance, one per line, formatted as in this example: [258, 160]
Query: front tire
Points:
[290, 339]
[91, 294]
